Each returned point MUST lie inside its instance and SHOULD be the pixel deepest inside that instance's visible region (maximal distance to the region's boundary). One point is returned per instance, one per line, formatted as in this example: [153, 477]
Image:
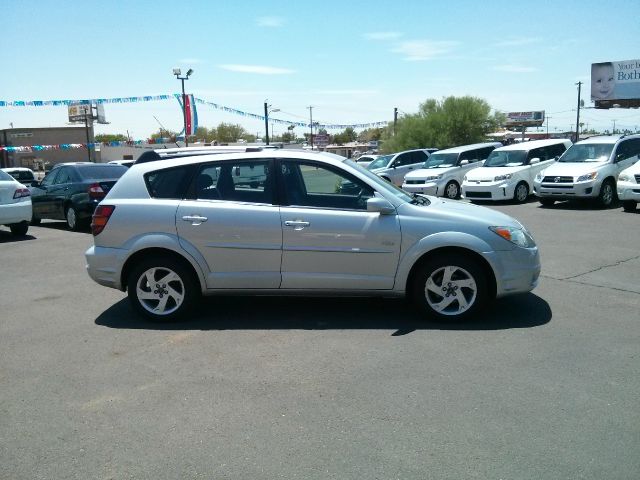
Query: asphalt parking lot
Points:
[539, 386]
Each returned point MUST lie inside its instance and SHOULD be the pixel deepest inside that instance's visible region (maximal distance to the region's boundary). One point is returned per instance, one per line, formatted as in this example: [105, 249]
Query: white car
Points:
[509, 171]
[15, 204]
[442, 174]
[629, 187]
[26, 176]
[588, 170]
[395, 166]
[366, 159]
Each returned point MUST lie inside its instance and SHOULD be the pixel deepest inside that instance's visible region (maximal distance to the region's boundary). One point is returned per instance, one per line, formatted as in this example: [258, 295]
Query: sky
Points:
[352, 61]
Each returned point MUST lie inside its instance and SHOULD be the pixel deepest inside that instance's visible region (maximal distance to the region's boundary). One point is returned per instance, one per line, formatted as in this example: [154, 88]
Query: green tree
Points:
[110, 137]
[441, 124]
[370, 134]
[229, 133]
[162, 133]
[348, 135]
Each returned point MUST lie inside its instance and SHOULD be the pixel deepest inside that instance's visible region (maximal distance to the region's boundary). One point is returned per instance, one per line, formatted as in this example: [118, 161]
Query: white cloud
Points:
[258, 69]
[382, 35]
[514, 68]
[270, 22]
[417, 50]
[517, 41]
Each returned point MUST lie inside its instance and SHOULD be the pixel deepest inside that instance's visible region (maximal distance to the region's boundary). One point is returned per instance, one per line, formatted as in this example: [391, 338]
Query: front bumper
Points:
[427, 188]
[628, 191]
[488, 190]
[517, 270]
[565, 191]
[15, 213]
[104, 265]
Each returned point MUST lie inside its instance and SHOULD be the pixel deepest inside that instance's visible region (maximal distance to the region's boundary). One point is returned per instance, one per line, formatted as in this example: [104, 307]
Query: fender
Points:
[440, 240]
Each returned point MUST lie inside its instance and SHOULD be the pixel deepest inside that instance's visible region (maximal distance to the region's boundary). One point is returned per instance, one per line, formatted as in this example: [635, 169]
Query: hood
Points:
[572, 169]
[423, 173]
[489, 173]
[462, 213]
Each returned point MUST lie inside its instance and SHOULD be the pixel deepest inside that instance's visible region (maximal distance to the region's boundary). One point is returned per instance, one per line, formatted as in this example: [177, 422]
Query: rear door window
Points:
[240, 181]
[170, 183]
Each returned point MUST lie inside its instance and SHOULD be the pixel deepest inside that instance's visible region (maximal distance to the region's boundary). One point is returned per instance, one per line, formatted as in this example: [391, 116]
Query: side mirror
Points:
[534, 161]
[380, 205]
[464, 162]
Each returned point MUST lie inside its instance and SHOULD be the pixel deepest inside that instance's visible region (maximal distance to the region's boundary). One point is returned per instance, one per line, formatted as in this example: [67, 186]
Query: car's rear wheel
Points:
[521, 193]
[450, 287]
[607, 195]
[452, 190]
[547, 202]
[629, 206]
[73, 222]
[162, 289]
[19, 229]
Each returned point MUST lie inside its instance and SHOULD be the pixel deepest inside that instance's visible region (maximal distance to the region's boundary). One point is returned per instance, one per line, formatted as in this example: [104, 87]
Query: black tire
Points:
[452, 190]
[607, 195]
[431, 288]
[167, 300]
[521, 192]
[35, 220]
[71, 216]
[19, 229]
[547, 202]
[629, 206]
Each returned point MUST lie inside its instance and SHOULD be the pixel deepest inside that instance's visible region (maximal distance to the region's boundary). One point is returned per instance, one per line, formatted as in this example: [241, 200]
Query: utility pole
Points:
[614, 127]
[395, 120]
[266, 122]
[311, 124]
[548, 117]
[578, 114]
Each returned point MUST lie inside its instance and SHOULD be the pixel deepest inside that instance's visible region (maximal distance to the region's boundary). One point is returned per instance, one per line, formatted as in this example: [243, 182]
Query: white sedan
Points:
[15, 205]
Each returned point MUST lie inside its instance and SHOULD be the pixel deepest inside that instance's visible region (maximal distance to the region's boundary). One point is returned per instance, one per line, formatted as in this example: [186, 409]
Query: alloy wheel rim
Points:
[451, 290]
[160, 291]
[607, 195]
[71, 217]
[522, 193]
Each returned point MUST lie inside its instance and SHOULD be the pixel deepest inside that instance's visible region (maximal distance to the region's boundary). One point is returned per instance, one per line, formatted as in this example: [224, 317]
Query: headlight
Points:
[503, 177]
[625, 177]
[433, 177]
[517, 236]
[587, 177]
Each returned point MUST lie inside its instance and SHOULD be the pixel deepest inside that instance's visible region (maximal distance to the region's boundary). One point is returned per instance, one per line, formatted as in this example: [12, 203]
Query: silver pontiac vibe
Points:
[291, 222]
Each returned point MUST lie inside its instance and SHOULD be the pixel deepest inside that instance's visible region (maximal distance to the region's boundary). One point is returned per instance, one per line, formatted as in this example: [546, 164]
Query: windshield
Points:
[587, 152]
[382, 184]
[381, 162]
[506, 158]
[441, 160]
[102, 172]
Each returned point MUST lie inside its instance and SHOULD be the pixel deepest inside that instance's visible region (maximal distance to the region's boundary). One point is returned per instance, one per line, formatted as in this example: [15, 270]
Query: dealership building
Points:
[41, 159]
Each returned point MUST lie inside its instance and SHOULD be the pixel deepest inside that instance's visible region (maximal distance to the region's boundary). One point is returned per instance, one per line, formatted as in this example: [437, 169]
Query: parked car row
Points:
[552, 170]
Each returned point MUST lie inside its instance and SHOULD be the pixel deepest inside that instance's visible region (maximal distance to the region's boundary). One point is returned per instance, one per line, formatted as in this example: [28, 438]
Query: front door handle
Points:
[296, 224]
[194, 219]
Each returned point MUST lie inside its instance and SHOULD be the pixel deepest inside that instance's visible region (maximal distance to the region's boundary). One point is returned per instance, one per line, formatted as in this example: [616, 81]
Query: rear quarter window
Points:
[170, 183]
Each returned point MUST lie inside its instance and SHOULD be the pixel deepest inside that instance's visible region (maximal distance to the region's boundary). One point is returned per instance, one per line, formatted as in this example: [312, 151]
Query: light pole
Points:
[177, 72]
[267, 111]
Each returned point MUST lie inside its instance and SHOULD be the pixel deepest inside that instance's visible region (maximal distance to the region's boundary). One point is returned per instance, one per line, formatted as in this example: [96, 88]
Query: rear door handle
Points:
[296, 224]
[194, 219]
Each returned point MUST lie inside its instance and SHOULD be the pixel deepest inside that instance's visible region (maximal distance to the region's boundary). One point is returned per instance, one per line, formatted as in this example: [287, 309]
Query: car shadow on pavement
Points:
[62, 226]
[304, 313]
[8, 237]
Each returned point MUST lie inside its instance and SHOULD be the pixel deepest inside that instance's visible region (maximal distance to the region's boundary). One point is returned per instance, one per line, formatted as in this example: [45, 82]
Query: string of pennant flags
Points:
[71, 146]
[200, 101]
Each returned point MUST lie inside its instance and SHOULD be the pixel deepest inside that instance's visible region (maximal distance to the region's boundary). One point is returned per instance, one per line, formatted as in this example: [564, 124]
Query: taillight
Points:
[100, 218]
[96, 191]
[22, 192]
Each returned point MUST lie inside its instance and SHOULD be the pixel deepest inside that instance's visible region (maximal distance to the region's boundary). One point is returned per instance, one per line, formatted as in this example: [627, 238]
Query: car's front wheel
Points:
[452, 190]
[450, 287]
[162, 289]
[607, 194]
[521, 192]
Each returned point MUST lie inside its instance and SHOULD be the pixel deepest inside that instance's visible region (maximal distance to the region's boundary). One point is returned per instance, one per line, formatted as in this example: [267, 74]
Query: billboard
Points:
[525, 119]
[616, 83]
[79, 111]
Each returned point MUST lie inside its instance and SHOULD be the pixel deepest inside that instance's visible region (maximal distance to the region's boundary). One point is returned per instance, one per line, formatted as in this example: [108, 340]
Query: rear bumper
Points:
[15, 213]
[104, 265]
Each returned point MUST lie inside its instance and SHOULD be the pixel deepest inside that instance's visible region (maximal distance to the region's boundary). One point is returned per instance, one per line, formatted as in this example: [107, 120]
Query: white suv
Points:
[588, 170]
[629, 187]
